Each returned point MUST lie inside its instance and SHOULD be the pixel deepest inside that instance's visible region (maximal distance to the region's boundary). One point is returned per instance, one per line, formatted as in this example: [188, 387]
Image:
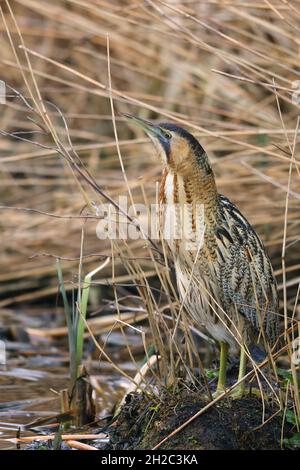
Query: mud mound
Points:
[229, 424]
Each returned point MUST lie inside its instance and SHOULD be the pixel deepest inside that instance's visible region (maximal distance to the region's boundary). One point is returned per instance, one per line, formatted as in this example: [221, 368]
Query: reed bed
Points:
[229, 72]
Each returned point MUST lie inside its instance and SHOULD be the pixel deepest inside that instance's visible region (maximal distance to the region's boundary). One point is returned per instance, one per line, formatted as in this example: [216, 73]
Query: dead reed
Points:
[229, 71]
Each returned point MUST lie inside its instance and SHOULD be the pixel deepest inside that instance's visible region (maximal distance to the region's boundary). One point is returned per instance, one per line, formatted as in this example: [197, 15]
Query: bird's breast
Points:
[181, 216]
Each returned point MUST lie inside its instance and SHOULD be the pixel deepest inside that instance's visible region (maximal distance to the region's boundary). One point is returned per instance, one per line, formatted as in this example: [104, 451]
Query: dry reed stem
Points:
[227, 73]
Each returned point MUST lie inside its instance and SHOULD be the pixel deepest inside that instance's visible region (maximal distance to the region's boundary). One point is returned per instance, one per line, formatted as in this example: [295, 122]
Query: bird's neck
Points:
[192, 187]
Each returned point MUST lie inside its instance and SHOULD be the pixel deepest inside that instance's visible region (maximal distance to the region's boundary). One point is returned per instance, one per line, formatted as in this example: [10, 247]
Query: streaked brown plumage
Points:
[224, 276]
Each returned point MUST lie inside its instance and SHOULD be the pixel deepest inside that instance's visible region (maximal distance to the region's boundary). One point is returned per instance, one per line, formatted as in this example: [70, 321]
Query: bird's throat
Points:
[188, 207]
[193, 188]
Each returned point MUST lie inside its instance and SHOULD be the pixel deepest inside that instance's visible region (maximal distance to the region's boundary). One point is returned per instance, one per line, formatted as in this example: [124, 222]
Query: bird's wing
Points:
[245, 274]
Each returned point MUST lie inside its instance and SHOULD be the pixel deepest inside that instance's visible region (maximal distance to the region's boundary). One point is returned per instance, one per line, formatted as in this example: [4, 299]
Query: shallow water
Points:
[23, 400]
[36, 371]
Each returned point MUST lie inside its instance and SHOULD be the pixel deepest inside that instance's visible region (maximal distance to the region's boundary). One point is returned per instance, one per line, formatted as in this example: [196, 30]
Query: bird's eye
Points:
[166, 134]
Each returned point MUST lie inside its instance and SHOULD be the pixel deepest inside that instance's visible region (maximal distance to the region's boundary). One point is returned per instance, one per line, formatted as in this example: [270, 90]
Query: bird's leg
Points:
[223, 367]
[239, 391]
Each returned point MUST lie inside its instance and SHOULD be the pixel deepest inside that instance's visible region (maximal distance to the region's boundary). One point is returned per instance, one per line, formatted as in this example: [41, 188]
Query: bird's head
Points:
[179, 150]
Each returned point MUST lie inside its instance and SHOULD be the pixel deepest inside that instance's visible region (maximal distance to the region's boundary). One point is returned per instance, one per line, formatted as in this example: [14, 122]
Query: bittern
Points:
[224, 276]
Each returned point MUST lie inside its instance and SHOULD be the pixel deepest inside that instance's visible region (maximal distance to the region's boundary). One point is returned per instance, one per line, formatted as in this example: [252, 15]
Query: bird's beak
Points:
[151, 129]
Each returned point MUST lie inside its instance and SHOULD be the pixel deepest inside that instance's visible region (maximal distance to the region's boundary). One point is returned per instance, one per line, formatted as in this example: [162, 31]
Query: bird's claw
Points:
[240, 392]
[218, 392]
[237, 393]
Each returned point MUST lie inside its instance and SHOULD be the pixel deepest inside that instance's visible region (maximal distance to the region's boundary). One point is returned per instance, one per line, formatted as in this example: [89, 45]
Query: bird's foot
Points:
[219, 391]
[237, 393]
[241, 392]
[256, 392]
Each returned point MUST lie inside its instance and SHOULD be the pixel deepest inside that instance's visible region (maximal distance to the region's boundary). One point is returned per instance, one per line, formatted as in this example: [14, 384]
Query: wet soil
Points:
[228, 424]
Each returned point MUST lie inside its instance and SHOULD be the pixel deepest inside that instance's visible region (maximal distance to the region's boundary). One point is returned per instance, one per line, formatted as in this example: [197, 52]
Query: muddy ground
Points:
[229, 424]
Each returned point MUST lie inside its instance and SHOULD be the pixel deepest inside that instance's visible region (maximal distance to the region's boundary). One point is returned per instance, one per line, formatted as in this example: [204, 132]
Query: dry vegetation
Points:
[226, 70]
